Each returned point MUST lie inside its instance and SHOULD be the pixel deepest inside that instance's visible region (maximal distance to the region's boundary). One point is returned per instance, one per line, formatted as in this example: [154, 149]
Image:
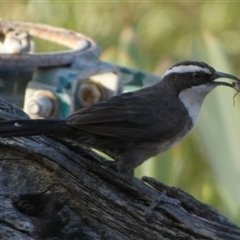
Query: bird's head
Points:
[197, 76]
[192, 81]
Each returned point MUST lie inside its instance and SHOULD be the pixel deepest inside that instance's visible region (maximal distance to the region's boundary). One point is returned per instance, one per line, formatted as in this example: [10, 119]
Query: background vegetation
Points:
[151, 36]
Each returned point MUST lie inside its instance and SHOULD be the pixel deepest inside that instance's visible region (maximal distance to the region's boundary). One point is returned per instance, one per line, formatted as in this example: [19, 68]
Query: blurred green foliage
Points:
[152, 36]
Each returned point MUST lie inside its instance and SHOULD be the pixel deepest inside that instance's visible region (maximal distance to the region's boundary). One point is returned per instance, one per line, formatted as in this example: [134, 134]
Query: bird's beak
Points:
[225, 75]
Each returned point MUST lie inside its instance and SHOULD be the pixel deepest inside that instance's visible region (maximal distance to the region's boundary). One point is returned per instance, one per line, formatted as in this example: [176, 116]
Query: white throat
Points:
[192, 98]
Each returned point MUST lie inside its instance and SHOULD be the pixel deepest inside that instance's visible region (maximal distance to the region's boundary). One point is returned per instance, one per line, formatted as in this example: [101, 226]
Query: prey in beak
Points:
[235, 85]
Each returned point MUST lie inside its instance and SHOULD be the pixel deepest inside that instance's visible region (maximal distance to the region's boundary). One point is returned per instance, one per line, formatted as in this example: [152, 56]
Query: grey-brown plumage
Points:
[137, 125]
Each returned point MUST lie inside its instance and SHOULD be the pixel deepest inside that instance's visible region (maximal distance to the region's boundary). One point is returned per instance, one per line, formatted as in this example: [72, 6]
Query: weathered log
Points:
[52, 189]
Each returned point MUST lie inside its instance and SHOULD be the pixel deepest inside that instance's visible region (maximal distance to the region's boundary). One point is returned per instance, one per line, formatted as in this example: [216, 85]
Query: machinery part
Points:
[82, 46]
[98, 87]
[16, 42]
[40, 102]
[75, 78]
[43, 104]
[90, 93]
[17, 66]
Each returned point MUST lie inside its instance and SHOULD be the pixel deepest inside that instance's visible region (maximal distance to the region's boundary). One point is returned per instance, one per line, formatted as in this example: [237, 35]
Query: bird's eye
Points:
[197, 75]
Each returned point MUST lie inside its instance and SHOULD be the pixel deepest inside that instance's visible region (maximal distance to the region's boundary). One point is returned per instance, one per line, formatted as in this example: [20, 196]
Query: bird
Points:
[133, 126]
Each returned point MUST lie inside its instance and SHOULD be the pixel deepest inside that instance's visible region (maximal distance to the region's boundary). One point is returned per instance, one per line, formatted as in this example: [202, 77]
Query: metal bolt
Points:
[90, 93]
[41, 106]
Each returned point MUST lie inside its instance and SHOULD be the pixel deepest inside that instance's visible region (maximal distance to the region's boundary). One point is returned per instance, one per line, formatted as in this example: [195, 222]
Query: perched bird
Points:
[134, 126]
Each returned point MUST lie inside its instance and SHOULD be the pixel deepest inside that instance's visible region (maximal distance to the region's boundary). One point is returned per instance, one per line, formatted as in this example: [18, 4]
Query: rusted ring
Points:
[82, 46]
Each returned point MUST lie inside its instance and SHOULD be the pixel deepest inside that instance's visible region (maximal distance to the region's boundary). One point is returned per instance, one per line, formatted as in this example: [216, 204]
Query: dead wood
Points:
[51, 189]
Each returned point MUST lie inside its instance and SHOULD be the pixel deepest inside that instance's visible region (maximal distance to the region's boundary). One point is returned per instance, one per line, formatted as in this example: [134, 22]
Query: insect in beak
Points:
[236, 86]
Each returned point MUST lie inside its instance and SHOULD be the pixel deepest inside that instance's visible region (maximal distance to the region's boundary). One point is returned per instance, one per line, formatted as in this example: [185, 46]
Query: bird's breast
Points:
[168, 143]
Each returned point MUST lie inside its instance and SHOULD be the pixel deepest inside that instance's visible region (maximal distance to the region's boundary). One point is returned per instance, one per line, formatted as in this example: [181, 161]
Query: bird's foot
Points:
[162, 198]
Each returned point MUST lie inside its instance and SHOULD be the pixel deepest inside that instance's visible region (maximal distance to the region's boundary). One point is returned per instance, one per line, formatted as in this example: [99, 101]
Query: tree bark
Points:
[52, 189]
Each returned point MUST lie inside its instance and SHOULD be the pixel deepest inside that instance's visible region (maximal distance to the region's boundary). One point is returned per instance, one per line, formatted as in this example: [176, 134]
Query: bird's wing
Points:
[129, 116]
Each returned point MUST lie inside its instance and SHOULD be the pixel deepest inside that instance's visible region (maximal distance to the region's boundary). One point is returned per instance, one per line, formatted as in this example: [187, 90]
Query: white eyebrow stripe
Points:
[186, 68]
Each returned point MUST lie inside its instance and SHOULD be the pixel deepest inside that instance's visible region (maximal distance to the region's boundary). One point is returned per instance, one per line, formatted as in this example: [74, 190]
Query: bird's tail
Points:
[17, 128]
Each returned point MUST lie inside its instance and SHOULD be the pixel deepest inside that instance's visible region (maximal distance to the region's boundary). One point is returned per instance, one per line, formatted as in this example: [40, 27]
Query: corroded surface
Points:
[82, 46]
